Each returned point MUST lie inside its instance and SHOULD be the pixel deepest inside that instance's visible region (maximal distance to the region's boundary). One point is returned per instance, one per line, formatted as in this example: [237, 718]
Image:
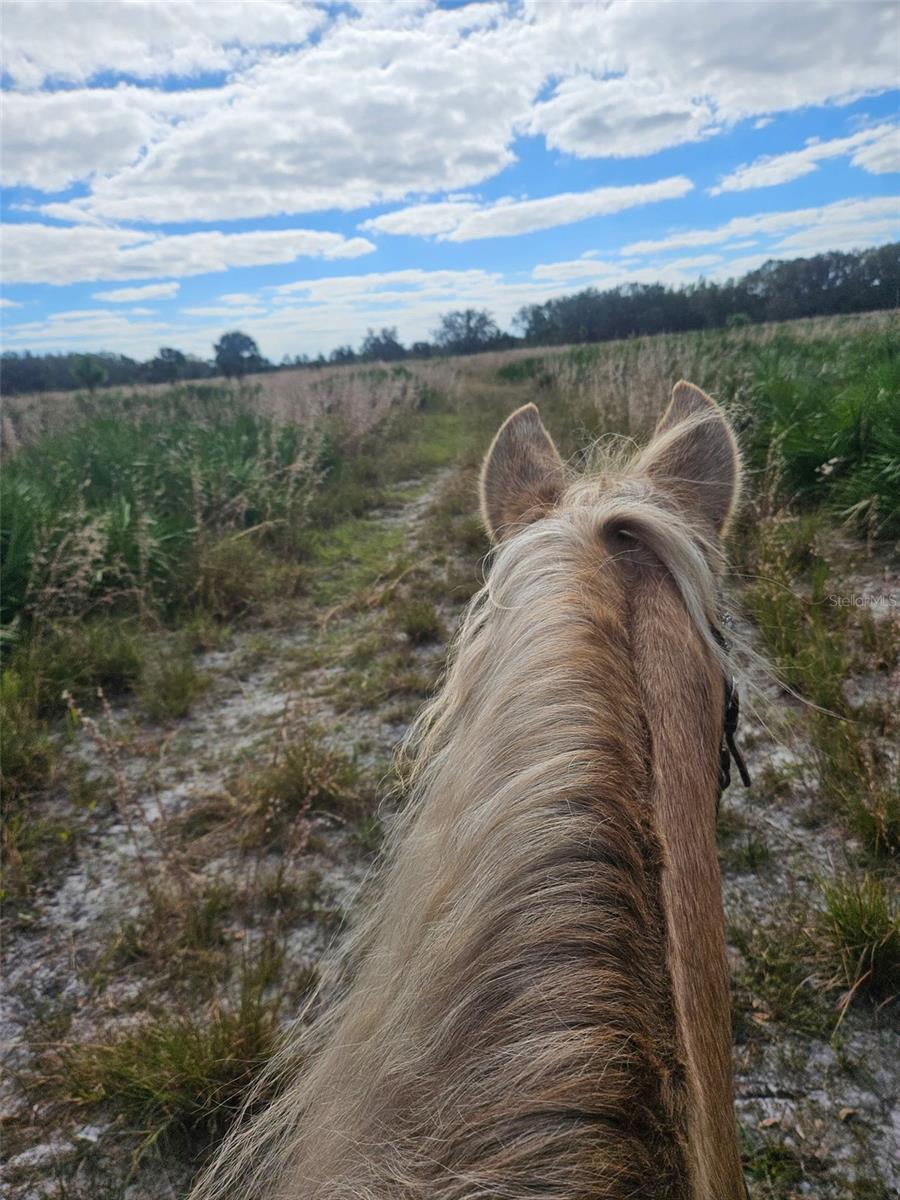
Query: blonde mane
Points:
[504, 1023]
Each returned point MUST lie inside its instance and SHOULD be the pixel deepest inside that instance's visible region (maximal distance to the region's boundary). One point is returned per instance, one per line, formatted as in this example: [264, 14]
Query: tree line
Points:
[823, 285]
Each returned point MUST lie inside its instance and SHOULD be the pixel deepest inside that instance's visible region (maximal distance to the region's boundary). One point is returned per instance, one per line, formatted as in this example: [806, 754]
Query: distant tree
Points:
[466, 331]
[342, 354]
[237, 355]
[89, 372]
[381, 347]
[167, 366]
[421, 350]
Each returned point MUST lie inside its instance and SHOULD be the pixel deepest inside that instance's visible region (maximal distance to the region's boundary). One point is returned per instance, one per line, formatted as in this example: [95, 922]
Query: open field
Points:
[222, 608]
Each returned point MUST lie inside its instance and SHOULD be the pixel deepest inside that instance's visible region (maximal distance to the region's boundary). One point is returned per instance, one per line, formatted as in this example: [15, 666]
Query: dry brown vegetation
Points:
[180, 851]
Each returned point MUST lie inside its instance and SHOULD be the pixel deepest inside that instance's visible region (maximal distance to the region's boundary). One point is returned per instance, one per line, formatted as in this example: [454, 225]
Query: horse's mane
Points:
[502, 1024]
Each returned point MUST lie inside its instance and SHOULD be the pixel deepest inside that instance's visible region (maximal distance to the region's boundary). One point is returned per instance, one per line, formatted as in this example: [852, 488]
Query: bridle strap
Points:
[729, 751]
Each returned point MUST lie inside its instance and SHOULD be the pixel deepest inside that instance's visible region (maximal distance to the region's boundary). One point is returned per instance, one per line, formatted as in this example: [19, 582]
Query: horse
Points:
[536, 1003]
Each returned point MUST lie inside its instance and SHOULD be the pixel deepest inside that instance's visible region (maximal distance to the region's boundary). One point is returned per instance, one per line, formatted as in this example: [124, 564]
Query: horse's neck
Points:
[682, 702]
[516, 959]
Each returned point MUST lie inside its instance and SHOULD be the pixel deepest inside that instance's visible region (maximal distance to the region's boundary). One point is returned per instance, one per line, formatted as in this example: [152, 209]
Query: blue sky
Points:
[302, 171]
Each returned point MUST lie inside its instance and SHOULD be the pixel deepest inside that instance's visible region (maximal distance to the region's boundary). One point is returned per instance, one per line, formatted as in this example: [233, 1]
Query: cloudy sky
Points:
[301, 170]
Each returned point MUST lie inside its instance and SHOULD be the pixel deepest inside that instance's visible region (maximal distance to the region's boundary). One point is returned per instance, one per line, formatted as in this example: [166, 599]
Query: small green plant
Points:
[774, 983]
[858, 936]
[306, 776]
[419, 620]
[177, 1077]
[170, 683]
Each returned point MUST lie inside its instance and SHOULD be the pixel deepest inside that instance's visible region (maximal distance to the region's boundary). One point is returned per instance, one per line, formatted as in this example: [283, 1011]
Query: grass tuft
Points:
[419, 620]
[306, 777]
[170, 683]
[183, 1076]
[858, 937]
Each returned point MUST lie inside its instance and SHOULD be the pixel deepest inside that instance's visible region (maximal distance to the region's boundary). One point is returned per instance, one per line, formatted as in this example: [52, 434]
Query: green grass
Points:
[348, 559]
[774, 985]
[306, 777]
[182, 1077]
[858, 936]
[113, 509]
[170, 683]
[79, 657]
[419, 621]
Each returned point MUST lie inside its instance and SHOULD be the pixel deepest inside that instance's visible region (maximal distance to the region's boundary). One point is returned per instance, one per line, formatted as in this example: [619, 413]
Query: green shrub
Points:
[170, 683]
[26, 754]
[419, 620]
[859, 935]
[183, 1076]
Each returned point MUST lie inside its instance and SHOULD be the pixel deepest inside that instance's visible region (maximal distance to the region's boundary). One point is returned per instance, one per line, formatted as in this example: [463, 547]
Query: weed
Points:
[78, 657]
[180, 934]
[775, 1165]
[26, 754]
[858, 937]
[170, 683]
[235, 575]
[286, 896]
[419, 620]
[183, 1076]
[304, 777]
[773, 986]
[860, 780]
[805, 634]
[746, 851]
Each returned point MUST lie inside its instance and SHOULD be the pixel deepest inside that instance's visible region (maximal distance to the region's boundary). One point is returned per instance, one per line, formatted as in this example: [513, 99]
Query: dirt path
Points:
[818, 1107]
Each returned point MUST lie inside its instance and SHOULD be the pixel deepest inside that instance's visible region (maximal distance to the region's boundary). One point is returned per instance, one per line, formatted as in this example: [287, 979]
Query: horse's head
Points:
[657, 521]
[651, 531]
[691, 468]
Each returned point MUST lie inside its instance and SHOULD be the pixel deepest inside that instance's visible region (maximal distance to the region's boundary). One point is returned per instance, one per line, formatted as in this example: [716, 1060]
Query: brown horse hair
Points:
[533, 1002]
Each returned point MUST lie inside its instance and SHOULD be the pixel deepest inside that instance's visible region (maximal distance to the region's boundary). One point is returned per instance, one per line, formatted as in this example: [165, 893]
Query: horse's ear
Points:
[522, 476]
[694, 457]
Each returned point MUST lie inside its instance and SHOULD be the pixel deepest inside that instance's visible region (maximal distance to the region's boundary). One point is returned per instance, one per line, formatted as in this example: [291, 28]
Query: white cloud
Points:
[861, 216]
[223, 310]
[238, 298]
[641, 80]
[89, 329]
[398, 100]
[47, 254]
[882, 155]
[423, 220]
[152, 291]
[876, 150]
[370, 114]
[595, 118]
[4, 303]
[466, 221]
[54, 139]
[73, 40]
